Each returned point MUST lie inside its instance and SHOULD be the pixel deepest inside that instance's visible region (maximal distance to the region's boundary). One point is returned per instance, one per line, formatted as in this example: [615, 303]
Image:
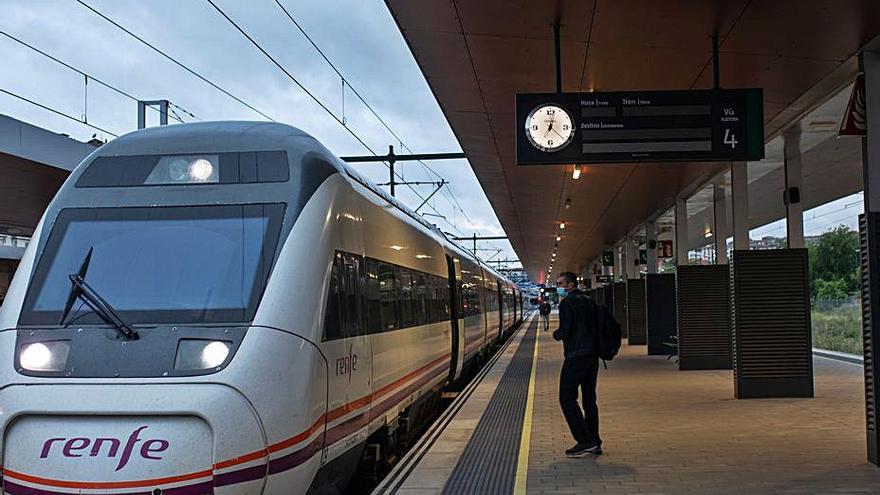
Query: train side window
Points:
[432, 314]
[407, 318]
[389, 294]
[468, 305]
[421, 311]
[332, 327]
[476, 299]
[352, 292]
[373, 296]
[443, 295]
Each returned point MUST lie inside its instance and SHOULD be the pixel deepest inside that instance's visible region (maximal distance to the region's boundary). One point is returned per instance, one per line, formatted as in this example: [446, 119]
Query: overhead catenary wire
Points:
[287, 73]
[89, 77]
[217, 86]
[311, 95]
[55, 111]
[347, 82]
[174, 60]
[765, 231]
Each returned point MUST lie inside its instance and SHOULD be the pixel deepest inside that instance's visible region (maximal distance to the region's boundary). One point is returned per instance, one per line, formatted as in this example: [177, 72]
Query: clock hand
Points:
[549, 128]
[560, 135]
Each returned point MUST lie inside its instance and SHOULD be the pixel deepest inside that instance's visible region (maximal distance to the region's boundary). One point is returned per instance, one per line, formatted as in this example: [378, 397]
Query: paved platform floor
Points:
[681, 432]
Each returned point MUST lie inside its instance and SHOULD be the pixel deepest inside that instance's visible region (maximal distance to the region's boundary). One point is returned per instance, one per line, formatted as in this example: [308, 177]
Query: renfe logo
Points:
[346, 365]
[79, 447]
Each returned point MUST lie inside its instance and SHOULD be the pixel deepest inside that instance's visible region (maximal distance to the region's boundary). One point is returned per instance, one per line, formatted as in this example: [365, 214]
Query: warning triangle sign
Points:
[855, 122]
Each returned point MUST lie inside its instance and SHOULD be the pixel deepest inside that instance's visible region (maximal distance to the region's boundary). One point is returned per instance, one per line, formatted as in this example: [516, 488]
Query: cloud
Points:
[360, 37]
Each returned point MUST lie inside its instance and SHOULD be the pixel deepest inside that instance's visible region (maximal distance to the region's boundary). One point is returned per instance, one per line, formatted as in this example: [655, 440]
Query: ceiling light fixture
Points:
[558, 238]
[567, 203]
[576, 172]
[561, 225]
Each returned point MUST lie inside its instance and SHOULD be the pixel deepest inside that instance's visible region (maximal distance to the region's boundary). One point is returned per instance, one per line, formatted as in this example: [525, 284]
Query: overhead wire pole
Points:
[439, 185]
[474, 238]
[391, 158]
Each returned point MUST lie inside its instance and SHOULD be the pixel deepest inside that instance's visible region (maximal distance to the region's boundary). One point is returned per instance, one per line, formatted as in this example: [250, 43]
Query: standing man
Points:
[580, 368]
[545, 309]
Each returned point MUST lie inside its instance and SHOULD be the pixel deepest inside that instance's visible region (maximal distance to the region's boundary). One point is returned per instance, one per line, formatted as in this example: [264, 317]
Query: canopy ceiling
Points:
[476, 55]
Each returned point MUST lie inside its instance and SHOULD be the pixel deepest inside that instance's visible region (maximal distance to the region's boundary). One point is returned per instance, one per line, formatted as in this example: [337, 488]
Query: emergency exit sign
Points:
[640, 126]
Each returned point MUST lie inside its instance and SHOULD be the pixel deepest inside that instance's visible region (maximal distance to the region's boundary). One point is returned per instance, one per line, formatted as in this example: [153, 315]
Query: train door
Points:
[455, 313]
[516, 309]
[347, 347]
[502, 326]
[487, 307]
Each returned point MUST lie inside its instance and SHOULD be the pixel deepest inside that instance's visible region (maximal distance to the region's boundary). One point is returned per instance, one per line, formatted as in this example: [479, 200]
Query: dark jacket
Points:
[576, 325]
[545, 308]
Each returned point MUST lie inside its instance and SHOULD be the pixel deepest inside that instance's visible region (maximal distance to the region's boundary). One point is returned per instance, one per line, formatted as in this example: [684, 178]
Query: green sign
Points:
[608, 258]
[643, 256]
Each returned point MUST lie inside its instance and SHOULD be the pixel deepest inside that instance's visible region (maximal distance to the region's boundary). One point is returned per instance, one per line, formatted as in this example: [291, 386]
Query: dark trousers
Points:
[546, 319]
[580, 372]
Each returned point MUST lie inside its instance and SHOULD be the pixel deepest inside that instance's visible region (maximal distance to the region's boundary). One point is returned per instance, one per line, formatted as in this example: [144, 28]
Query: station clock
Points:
[549, 127]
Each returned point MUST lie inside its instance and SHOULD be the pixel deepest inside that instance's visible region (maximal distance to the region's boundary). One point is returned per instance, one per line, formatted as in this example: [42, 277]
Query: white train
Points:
[228, 308]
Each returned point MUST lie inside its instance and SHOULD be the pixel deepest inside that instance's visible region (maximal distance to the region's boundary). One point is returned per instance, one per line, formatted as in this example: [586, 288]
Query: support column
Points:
[720, 224]
[651, 246]
[616, 267]
[739, 199]
[632, 258]
[703, 303]
[869, 229]
[681, 232]
[770, 311]
[794, 210]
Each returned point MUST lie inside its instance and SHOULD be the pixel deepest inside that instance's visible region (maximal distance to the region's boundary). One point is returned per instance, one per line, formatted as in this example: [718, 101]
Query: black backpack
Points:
[608, 332]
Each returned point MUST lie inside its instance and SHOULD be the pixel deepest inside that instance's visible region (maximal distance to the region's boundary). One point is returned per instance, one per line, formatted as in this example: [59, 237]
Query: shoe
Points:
[582, 449]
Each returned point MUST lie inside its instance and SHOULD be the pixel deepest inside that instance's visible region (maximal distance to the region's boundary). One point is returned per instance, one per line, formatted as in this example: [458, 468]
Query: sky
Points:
[358, 36]
[844, 211]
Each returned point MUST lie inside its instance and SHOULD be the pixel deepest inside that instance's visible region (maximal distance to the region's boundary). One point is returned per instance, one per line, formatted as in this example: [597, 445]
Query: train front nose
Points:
[206, 440]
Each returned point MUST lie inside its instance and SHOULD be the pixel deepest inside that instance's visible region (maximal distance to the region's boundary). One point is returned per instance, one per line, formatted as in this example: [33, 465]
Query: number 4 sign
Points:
[730, 139]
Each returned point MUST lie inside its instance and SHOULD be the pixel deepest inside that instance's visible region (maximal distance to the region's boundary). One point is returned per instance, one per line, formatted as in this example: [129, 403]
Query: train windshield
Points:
[192, 264]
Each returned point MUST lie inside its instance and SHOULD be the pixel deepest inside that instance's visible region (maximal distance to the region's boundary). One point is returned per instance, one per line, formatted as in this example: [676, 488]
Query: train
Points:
[229, 308]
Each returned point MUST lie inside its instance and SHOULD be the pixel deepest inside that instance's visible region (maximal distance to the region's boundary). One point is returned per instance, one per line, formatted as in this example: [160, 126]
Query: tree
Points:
[834, 263]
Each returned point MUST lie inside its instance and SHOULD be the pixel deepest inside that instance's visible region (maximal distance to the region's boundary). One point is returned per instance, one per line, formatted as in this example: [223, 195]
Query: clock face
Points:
[549, 128]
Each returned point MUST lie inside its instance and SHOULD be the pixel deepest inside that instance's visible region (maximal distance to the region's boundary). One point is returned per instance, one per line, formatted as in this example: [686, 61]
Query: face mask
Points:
[560, 291]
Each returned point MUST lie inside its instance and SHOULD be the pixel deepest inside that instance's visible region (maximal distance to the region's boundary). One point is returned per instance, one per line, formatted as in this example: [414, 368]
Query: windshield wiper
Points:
[81, 289]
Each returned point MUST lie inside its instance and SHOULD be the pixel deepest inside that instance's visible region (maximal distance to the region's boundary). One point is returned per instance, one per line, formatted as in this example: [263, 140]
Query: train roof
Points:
[235, 135]
[255, 135]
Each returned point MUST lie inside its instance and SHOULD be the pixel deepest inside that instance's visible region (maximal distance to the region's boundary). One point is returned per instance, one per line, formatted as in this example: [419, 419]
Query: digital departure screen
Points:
[640, 126]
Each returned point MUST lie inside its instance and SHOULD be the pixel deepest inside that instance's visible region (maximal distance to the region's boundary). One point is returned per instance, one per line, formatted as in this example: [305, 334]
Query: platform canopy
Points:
[477, 55]
[34, 162]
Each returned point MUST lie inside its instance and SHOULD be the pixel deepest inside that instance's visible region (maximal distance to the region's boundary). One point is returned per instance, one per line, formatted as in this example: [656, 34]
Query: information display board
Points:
[639, 126]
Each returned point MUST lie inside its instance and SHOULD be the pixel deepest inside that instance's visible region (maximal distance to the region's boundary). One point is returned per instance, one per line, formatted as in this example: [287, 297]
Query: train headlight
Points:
[44, 356]
[195, 354]
[185, 169]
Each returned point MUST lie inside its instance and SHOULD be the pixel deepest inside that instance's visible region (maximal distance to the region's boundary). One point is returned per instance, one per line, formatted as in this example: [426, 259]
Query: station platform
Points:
[665, 431]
